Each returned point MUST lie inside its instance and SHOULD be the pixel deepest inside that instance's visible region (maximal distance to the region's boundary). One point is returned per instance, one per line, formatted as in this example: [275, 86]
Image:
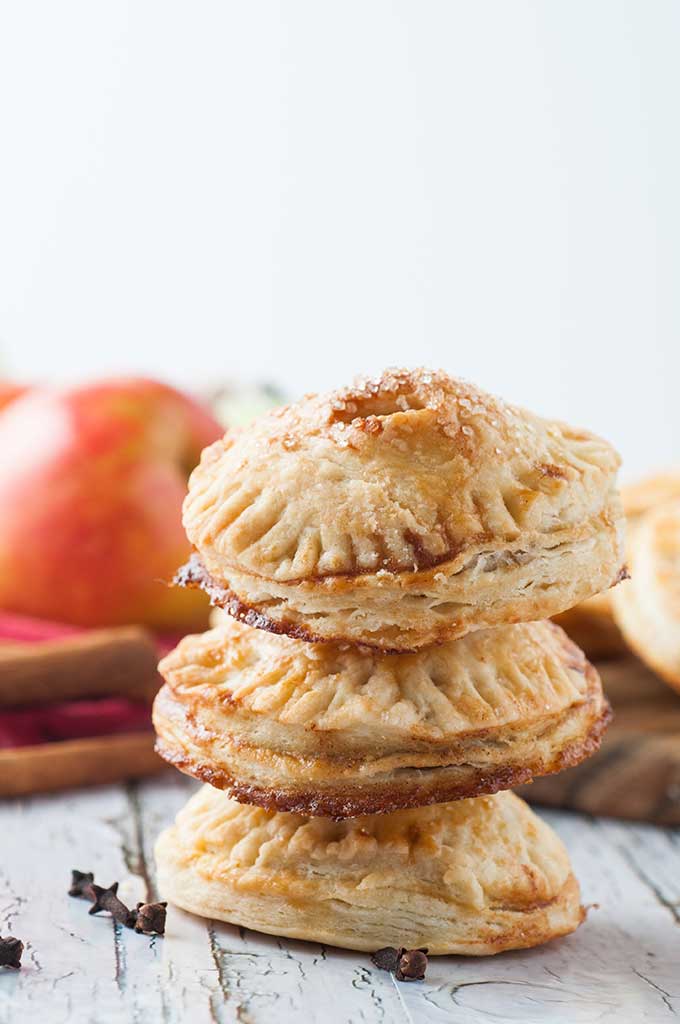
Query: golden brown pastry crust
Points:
[472, 877]
[647, 610]
[332, 730]
[402, 512]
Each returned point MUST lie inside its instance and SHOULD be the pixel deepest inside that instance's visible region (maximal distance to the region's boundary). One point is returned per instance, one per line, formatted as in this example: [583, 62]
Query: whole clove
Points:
[387, 959]
[146, 919]
[404, 964]
[412, 965]
[107, 899]
[10, 952]
[81, 882]
[150, 918]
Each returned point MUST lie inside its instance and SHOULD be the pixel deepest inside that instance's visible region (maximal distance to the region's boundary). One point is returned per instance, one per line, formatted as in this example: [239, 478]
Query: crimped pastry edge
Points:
[391, 613]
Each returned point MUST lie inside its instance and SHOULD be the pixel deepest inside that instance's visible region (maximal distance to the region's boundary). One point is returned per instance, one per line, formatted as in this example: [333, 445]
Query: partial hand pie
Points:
[648, 493]
[473, 877]
[332, 730]
[591, 624]
[647, 608]
[401, 512]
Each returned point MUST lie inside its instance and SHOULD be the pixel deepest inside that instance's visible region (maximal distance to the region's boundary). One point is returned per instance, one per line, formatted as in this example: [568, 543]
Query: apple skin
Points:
[92, 481]
[10, 392]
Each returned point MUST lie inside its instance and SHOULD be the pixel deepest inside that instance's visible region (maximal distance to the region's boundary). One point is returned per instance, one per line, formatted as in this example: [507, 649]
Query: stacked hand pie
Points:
[386, 555]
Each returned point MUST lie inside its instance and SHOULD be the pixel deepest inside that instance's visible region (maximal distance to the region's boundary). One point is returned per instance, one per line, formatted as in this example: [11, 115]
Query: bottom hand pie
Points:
[472, 877]
[340, 731]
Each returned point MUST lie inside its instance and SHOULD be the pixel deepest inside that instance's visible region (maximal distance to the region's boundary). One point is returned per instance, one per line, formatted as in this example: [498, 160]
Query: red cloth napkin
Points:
[22, 629]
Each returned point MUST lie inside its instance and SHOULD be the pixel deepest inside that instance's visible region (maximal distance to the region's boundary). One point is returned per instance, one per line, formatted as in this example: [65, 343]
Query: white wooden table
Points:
[623, 965]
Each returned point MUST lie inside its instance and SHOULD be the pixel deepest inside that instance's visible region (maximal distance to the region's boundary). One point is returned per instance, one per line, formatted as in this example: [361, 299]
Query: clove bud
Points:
[404, 964]
[107, 899]
[81, 882]
[10, 952]
[150, 918]
[412, 965]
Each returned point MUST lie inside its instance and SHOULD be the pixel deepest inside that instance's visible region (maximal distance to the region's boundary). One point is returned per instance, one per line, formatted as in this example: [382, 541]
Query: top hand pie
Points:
[402, 511]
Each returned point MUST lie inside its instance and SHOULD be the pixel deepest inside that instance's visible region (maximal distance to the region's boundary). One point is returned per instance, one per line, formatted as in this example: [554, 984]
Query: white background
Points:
[306, 190]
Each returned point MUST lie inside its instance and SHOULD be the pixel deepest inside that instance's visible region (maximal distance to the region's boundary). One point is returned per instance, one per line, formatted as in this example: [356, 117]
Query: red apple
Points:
[91, 487]
[10, 392]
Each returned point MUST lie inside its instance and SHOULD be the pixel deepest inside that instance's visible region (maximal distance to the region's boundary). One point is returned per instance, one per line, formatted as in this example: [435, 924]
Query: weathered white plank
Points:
[75, 964]
[190, 976]
[624, 964]
[242, 976]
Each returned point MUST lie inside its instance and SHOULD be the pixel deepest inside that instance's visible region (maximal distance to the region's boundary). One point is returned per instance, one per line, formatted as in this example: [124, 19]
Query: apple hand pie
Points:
[325, 729]
[473, 877]
[591, 624]
[649, 493]
[400, 512]
[647, 609]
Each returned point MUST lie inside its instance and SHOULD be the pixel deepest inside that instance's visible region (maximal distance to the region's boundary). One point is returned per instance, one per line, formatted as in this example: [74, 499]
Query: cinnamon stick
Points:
[88, 762]
[100, 663]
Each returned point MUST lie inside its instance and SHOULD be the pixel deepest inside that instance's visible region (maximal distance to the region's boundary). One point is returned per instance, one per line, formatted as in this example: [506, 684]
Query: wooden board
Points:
[621, 965]
[636, 774]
